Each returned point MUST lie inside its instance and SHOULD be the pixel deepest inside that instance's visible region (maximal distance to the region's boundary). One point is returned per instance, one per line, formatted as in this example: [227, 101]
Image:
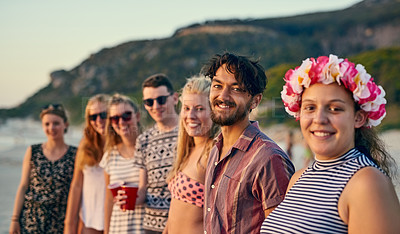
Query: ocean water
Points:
[17, 135]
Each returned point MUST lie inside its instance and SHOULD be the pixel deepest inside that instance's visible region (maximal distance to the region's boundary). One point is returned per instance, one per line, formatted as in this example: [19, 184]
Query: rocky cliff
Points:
[369, 25]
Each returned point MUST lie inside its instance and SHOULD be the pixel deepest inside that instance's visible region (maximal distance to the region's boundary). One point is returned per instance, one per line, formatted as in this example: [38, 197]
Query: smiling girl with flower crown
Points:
[348, 188]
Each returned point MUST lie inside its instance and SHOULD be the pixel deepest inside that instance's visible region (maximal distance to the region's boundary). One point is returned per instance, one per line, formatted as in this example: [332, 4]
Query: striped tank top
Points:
[311, 205]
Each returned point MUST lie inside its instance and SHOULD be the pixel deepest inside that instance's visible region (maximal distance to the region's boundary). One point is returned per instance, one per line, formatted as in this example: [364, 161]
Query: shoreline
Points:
[15, 139]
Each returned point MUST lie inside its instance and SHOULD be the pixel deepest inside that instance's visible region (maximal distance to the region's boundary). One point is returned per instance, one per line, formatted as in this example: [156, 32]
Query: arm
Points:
[19, 197]
[74, 201]
[141, 195]
[108, 205]
[369, 204]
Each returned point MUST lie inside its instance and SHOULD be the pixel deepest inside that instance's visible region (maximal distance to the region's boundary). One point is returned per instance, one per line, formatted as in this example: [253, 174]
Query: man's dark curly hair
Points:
[247, 72]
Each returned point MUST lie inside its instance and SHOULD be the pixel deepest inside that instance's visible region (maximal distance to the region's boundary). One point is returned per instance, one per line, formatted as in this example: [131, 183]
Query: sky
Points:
[38, 37]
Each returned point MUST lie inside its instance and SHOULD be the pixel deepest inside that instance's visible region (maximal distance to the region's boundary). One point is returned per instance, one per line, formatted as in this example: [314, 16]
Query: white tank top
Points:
[93, 195]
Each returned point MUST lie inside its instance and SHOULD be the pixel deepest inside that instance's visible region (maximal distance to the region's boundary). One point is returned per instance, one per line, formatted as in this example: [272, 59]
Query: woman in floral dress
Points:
[47, 169]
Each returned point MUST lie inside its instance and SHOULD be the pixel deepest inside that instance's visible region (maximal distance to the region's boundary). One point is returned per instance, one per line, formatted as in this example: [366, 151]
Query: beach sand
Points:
[17, 135]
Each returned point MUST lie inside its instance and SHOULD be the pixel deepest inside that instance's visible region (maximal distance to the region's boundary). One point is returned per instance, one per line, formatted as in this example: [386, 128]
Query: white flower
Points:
[361, 80]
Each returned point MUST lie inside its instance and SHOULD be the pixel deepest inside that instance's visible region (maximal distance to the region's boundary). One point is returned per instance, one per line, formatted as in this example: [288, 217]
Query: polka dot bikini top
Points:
[187, 190]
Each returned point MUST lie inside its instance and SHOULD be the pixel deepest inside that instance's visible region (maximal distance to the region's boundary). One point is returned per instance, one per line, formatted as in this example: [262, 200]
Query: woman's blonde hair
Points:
[112, 138]
[90, 150]
[194, 85]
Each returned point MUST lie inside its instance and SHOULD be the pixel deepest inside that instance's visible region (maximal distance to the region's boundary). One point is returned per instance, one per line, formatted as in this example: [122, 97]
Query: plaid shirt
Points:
[251, 178]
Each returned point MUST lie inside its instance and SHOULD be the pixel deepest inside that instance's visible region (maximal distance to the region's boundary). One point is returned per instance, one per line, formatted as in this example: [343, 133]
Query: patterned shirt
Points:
[311, 205]
[155, 152]
[251, 178]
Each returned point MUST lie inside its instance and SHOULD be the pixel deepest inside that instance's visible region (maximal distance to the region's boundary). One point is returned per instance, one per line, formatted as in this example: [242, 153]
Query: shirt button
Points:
[212, 186]
[209, 209]
[215, 163]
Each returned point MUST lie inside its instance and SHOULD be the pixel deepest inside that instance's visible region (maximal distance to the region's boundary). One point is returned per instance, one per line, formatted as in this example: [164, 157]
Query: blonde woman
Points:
[195, 140]
[86, 196]
[122, 129]
[47, 168]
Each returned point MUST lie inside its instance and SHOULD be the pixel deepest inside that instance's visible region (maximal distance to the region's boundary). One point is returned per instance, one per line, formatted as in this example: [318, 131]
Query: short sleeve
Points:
[139, 160]
[104, 163]
[271, 182]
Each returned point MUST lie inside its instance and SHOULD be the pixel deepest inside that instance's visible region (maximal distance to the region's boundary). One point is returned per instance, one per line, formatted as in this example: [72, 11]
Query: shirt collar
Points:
[245, 139]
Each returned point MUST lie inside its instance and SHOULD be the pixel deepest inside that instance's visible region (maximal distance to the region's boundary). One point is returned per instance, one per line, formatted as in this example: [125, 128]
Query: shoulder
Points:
[371, 193]
[28, 152]
[35, 147]
[267, 148]
[112, 152]
[295, 177]
[272, 160]
[147, 134]
[107, 157]
[72, 151]
[34, 151]
[73, 148]
[368, 185]
[369, 179]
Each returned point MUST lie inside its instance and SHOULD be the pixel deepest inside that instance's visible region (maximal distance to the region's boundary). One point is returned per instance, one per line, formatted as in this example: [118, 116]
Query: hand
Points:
[120, 199]
[15, 228]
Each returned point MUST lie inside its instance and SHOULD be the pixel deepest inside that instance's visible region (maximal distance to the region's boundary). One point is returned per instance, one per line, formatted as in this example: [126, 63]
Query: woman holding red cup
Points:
[122, 128]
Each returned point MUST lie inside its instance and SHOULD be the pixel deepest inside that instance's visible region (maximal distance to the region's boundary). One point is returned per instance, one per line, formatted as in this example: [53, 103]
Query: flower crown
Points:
[326, 70]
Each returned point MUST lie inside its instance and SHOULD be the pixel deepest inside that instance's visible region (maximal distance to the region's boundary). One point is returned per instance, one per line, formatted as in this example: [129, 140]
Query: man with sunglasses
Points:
[247, 173]
[156, 149]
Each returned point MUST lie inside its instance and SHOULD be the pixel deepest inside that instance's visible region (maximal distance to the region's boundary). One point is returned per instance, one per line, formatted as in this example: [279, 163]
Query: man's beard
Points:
[228, 120]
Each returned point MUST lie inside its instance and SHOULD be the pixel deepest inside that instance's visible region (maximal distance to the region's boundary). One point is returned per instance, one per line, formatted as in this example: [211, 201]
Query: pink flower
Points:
[348, 72]
[290, 100]
[375, 100]
[375, 118]
[373, 91]
[331, 69]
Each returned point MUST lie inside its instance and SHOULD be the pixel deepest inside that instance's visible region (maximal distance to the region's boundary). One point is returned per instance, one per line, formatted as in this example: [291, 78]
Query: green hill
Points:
[372, 38]
[382, 64]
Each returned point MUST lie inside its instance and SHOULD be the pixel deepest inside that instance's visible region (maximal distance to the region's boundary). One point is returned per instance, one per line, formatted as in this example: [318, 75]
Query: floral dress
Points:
[46, 198]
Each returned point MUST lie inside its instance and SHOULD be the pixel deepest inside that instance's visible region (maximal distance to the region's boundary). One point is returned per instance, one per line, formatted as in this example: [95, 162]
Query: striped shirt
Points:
[155, 152]
[311, 205]
[251, 178]
[123, 169]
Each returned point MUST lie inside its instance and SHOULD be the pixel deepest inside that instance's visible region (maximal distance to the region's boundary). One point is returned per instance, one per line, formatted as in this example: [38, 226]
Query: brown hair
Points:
[194, 85]
[90, 150]
[158, 80]
[55, 109]
[247, 72]
[368, 142]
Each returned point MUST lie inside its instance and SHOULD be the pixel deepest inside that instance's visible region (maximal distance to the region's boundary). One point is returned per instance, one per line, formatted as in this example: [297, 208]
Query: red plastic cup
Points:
[115, 187]
[131, 193]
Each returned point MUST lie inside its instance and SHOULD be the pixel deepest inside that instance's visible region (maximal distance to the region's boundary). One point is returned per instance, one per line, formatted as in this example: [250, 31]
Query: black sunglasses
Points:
[53, 107]
[161, 100]
[125, 117]
[103, 115]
